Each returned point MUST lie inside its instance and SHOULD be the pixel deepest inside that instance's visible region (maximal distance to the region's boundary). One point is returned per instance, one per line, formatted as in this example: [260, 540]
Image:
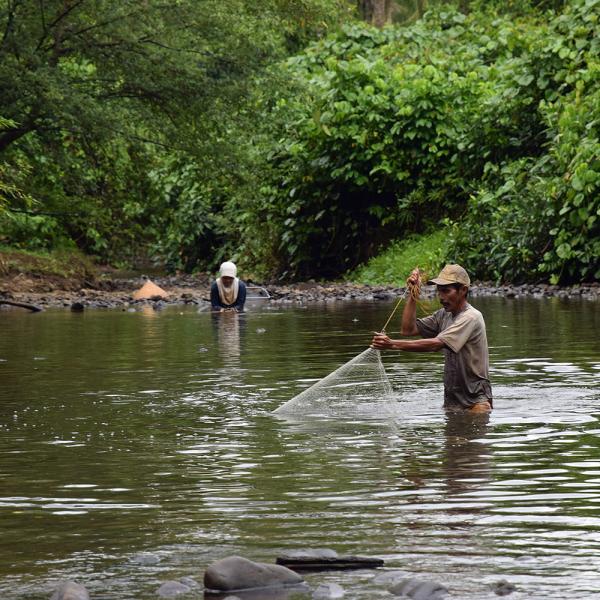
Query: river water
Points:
[138, 447]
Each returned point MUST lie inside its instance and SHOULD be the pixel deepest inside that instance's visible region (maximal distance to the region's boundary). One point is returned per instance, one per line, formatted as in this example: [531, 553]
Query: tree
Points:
[95, 94]
[382, 12]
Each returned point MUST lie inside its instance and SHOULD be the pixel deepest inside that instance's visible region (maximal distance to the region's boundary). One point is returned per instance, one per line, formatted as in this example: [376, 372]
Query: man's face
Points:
[227, 281]
[452, 299]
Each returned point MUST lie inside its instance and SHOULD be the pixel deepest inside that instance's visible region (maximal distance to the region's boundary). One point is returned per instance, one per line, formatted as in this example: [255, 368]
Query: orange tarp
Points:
[149, 290]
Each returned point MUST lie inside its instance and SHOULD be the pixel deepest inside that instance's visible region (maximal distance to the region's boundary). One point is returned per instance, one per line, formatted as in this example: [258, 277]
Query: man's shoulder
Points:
[472, 314]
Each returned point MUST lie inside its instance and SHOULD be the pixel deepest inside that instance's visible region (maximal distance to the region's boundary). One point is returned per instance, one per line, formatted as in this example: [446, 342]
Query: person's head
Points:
[227, 272]
[453, 284]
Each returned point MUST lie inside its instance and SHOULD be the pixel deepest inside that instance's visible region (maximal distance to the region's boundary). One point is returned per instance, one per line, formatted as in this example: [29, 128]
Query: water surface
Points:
[138, 447]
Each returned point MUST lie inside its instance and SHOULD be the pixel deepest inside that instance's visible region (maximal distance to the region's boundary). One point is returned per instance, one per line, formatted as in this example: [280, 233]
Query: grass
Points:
[395, 263]
[68, 264]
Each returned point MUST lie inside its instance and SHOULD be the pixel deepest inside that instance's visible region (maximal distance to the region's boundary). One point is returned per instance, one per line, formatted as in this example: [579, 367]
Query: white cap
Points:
[228, 269]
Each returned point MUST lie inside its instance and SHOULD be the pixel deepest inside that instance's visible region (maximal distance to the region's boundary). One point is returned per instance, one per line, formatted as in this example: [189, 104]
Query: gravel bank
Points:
[117, 293]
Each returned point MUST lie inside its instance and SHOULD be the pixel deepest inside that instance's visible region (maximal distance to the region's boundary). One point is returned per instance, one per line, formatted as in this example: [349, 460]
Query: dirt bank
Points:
[105, 291]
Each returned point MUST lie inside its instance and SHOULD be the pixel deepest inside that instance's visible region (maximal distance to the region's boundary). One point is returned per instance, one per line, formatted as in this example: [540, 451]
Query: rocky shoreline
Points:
[239, 578]
[182, 290]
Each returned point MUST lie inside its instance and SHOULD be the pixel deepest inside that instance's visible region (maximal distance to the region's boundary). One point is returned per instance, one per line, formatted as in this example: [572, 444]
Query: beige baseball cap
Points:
[452, 274]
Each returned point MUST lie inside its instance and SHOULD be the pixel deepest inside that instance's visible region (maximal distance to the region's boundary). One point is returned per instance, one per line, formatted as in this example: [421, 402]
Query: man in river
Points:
[228, 292]
[458, 330]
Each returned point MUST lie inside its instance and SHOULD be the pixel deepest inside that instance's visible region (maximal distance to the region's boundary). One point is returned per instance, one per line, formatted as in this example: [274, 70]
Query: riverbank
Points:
[112, 292]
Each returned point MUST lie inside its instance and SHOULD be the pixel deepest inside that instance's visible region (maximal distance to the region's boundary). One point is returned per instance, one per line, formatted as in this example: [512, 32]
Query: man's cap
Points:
[228, 269]
[451, 274]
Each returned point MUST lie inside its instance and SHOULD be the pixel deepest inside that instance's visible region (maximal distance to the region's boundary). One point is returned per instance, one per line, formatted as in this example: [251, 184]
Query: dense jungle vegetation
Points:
[303, 138]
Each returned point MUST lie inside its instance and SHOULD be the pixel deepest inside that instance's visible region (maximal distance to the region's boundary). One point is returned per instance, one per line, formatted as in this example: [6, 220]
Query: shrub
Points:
[394, 264]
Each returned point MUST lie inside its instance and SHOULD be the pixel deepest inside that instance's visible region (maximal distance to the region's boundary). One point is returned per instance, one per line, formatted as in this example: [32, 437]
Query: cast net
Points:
[359, 386]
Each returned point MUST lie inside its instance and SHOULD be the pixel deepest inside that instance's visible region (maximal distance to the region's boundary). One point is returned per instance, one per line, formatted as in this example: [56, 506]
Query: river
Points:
[138, 447]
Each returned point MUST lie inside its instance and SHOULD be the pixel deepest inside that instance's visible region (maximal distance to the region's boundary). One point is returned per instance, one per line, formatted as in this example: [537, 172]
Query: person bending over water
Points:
[458, 330]
[228, 292]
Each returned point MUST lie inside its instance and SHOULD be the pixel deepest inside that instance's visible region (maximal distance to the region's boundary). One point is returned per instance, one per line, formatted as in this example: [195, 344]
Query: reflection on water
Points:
[227, 326]
[150, 434]
[467, 461]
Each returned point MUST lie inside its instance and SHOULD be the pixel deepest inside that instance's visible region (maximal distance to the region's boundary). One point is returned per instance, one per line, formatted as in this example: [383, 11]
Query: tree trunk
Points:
[12, 135]
[31, 307]
[376, 12]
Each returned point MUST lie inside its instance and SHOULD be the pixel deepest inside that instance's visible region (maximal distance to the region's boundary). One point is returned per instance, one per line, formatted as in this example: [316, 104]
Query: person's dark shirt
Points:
[217, 304]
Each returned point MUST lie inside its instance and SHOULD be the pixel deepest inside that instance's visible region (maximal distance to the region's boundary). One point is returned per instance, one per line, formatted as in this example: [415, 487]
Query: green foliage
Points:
[193, 229]
[95, 95]
[384, 132]
[85, 196]
[394, 264]
[12, 176]
[543, 221]
[32, 232]
[186, 133]
[98, 67]
[538, 217]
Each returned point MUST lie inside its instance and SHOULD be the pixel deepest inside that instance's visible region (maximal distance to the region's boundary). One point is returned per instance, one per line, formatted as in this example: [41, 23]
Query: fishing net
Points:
[359, 386]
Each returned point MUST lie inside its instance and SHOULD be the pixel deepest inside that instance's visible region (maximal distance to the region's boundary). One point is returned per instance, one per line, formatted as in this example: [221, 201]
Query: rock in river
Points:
[172, 589]
[69, 590]
[328, 591]
[238, 573]
[419, 589]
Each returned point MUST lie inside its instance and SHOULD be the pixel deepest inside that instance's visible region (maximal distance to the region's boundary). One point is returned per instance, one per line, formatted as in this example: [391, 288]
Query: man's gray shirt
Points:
[466, 368]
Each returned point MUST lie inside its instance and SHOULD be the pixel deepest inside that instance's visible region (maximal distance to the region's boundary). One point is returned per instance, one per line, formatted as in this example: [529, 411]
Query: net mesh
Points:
[359, 386]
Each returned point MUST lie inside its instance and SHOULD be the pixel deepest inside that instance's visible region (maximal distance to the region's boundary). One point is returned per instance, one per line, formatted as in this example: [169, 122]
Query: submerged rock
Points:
[145, 558]
[328, 591]
[69, 590]
[419, 589]
[189, 581]
[503, 587]
[238, 573]
[390, 577]
[171, 589]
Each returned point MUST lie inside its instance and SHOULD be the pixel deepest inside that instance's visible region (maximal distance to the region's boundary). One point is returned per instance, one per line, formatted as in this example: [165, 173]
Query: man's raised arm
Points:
[409, 314]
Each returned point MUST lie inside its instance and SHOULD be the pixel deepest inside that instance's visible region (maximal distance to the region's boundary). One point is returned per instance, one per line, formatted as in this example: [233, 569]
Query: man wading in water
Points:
[458, 330]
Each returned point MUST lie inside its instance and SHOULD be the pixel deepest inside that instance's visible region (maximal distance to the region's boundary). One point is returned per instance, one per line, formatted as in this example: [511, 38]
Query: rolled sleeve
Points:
[428, 327]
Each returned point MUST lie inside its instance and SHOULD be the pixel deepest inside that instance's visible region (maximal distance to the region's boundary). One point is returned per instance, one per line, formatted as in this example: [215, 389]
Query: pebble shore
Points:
[182, 290]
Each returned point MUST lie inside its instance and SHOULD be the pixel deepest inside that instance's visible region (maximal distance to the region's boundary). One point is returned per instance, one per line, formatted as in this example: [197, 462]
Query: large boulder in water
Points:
[149, 290]
[238, 573]
[69, 590]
